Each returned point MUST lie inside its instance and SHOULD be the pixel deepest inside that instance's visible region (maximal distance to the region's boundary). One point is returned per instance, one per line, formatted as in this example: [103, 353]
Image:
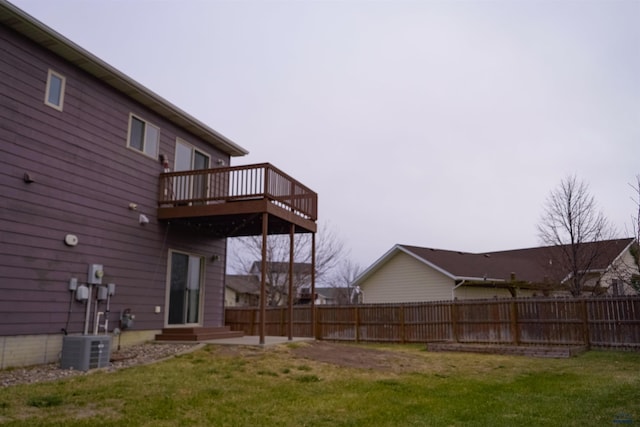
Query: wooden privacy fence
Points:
[595, 322]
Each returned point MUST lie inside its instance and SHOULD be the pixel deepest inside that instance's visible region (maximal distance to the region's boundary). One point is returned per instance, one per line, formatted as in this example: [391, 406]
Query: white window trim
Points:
[203, 281]
[146, 123]
[62, 89]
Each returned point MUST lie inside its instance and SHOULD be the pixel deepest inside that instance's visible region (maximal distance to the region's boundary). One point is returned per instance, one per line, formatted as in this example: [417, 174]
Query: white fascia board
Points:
[620, 255]
[429, 263]
[375, 266]
[607, 268]
[445, 272]
[50, 39]
[595, 270]
[487, 279]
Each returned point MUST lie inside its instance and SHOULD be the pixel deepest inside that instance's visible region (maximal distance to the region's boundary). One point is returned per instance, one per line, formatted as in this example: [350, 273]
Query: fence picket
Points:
[598, 321]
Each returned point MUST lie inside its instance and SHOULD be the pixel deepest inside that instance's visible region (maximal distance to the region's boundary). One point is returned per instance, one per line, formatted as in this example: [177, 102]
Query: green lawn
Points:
[212, 387]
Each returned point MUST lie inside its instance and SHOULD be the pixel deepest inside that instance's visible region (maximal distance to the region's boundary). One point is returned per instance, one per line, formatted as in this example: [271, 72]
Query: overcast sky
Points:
[442, 124]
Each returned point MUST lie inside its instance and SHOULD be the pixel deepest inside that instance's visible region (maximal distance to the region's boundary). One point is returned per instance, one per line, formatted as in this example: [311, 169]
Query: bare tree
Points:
[246, 251]
[343, 275]
[570, 221]
[635, 248]
[628, 271]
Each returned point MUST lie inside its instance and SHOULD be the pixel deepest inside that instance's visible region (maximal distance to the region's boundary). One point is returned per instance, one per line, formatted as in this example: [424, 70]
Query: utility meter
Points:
[82, 293]
[95, 274]
[126, 319]
[102, 293]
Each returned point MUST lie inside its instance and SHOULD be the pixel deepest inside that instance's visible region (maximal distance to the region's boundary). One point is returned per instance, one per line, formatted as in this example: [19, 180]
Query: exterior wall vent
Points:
[85, 352]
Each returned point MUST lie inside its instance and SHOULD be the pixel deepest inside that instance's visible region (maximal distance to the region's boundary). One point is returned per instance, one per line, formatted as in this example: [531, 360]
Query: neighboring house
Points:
[326, 296]
[410, 273]
[278, 279]
[89, 199]
[333, 295]
[241, 291]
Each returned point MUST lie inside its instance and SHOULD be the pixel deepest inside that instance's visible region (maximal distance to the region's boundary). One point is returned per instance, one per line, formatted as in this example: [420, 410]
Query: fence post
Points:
[515, 332]
[357, 318]
[449, 320]
[586, 336]
[454, 321]
[316, 322]
[403, 337]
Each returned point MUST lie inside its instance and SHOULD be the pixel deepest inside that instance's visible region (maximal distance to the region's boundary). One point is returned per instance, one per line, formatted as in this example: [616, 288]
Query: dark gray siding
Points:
[85, 178]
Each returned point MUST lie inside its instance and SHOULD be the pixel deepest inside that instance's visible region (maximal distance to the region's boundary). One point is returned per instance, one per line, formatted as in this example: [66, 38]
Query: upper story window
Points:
[143, 136]
[54, 95]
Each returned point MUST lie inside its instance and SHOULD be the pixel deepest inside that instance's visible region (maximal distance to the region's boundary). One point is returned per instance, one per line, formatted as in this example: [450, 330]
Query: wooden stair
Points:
[197, 334]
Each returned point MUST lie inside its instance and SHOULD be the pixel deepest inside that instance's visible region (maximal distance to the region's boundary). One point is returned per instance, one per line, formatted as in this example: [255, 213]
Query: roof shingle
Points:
[535, 265]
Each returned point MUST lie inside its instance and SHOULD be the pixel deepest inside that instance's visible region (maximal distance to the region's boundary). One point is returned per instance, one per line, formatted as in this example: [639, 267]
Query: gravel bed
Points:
[129, 356]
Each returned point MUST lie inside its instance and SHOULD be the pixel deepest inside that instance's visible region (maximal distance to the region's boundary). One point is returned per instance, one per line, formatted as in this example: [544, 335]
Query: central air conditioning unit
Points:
[85, 352]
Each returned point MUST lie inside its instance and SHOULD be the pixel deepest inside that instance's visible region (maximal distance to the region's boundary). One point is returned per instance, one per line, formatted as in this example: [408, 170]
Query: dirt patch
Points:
[356, 356]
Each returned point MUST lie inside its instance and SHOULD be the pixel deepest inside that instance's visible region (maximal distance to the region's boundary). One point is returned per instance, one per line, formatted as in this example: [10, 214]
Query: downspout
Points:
[453, 291]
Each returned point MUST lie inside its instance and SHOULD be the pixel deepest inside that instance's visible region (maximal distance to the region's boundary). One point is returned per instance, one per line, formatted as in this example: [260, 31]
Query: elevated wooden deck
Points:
[231, 201]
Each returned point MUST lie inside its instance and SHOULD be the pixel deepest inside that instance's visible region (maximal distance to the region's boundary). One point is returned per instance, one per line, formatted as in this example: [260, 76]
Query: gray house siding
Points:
[85, 177]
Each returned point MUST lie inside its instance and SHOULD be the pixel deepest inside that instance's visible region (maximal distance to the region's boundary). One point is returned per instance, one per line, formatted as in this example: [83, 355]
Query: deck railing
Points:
[237, 183]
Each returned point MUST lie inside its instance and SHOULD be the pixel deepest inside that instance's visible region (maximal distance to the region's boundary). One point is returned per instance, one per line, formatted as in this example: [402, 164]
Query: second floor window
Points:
[143, 136]
[54, 94]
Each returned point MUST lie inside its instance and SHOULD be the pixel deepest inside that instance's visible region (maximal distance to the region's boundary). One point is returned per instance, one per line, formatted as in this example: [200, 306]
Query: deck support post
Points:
[290, 308]
[314, 327]
[263, 277]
